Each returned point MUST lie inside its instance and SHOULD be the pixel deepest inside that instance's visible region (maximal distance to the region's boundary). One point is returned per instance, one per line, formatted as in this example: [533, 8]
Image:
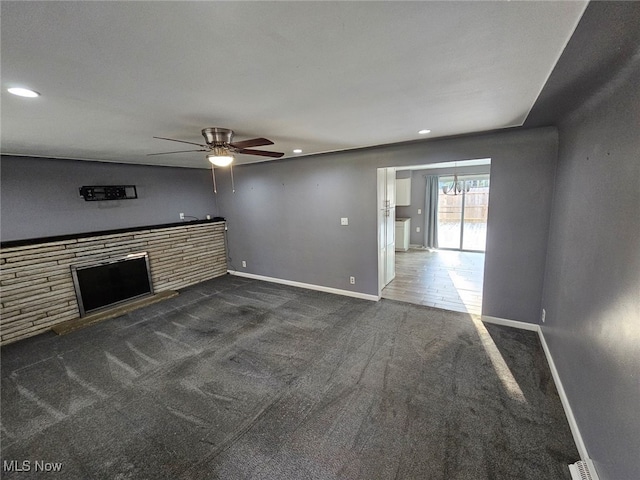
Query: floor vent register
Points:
[583, 470]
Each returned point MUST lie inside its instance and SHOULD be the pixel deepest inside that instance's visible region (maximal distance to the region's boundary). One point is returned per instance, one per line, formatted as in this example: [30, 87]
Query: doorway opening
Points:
[446, 220]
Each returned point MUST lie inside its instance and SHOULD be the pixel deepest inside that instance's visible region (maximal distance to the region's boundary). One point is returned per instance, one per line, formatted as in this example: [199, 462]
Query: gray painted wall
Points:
[40, 196]
[284, 218]
[592, 285]
[418, 194]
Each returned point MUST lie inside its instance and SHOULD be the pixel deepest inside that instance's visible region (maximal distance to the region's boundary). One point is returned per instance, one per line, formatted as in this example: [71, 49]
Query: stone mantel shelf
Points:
[73, 236]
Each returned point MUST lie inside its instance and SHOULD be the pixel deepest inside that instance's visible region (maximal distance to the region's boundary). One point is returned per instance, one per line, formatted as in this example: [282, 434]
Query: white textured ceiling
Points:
[319, 76]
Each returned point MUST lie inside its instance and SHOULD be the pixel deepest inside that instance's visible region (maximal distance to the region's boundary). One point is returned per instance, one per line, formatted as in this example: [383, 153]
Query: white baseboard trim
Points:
[573, 425]
[511, 323]
[309, 286]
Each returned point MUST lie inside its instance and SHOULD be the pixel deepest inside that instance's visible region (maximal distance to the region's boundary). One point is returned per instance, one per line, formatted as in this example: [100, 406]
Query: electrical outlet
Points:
[419, 211]
[352, 280]
[544, 315]
[182, 216]
[418, 229]
[244, 264]
[344, 221]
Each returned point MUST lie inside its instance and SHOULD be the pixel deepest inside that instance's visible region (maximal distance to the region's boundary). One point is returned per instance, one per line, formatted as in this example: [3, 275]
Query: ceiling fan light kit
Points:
[220, 157]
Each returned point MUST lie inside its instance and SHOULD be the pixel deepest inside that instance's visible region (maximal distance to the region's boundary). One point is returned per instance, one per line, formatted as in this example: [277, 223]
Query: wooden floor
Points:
[450, 280]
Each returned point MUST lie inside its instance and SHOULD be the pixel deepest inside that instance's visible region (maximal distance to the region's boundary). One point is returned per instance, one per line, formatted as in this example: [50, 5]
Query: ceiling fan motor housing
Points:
[217, 136]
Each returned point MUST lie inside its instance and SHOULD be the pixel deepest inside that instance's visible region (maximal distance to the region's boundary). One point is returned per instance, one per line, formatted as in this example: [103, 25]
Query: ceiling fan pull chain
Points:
[233, 187]
[213, 174]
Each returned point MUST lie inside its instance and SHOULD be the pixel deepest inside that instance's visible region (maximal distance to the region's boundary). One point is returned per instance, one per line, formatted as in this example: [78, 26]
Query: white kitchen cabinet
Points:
[403, 232]
[403, 192]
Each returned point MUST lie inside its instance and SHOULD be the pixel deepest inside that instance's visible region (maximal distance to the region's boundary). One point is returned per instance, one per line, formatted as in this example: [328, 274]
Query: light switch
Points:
[419, 211]
[344, 221]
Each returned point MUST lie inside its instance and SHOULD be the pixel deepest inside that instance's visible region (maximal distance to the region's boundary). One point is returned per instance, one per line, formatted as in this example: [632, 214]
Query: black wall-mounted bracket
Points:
[95, 193]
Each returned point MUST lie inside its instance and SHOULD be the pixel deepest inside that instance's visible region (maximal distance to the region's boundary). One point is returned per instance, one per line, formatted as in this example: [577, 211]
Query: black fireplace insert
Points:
[111, 282]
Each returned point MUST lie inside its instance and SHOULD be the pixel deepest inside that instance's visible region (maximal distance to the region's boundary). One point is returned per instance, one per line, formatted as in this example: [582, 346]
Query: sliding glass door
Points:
[449, 217]
[463, 204]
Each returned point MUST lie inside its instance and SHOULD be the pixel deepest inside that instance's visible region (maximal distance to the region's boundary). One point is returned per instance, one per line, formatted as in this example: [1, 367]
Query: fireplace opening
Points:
[105, 284]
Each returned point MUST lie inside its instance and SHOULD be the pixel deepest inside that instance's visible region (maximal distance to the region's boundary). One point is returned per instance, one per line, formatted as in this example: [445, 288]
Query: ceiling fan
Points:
[221, 149]
[219, 142]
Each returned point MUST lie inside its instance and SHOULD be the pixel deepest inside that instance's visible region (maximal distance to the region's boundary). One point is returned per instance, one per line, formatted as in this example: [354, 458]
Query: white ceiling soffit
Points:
[317, 76]
[477, 162]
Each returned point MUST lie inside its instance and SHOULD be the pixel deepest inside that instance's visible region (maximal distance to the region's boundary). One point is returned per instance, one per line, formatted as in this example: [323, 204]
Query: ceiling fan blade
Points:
[254, 142]
[181, 141]
[180, 151]
[262, 153]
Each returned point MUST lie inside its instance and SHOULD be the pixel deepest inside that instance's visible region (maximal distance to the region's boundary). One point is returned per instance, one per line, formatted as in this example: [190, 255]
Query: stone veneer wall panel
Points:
[37, 287]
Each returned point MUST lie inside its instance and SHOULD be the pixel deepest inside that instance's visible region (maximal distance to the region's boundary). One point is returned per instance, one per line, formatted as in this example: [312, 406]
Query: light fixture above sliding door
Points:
[456, 187]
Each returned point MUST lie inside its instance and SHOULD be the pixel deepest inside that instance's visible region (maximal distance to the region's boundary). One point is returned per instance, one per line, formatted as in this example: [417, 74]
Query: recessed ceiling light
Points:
[23, 92]
[297, 150]
[424, 132]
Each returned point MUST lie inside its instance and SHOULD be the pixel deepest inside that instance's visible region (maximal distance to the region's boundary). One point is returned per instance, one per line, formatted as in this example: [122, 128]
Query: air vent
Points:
[583, 470]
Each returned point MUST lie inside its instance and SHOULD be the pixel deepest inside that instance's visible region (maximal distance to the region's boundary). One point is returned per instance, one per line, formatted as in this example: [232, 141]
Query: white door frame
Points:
[383, 176]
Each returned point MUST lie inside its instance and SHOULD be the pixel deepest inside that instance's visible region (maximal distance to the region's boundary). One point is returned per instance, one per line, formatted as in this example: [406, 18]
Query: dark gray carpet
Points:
[238, 379]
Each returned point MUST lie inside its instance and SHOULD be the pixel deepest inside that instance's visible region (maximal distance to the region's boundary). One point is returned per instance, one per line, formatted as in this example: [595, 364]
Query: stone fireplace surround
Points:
[36, 286]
